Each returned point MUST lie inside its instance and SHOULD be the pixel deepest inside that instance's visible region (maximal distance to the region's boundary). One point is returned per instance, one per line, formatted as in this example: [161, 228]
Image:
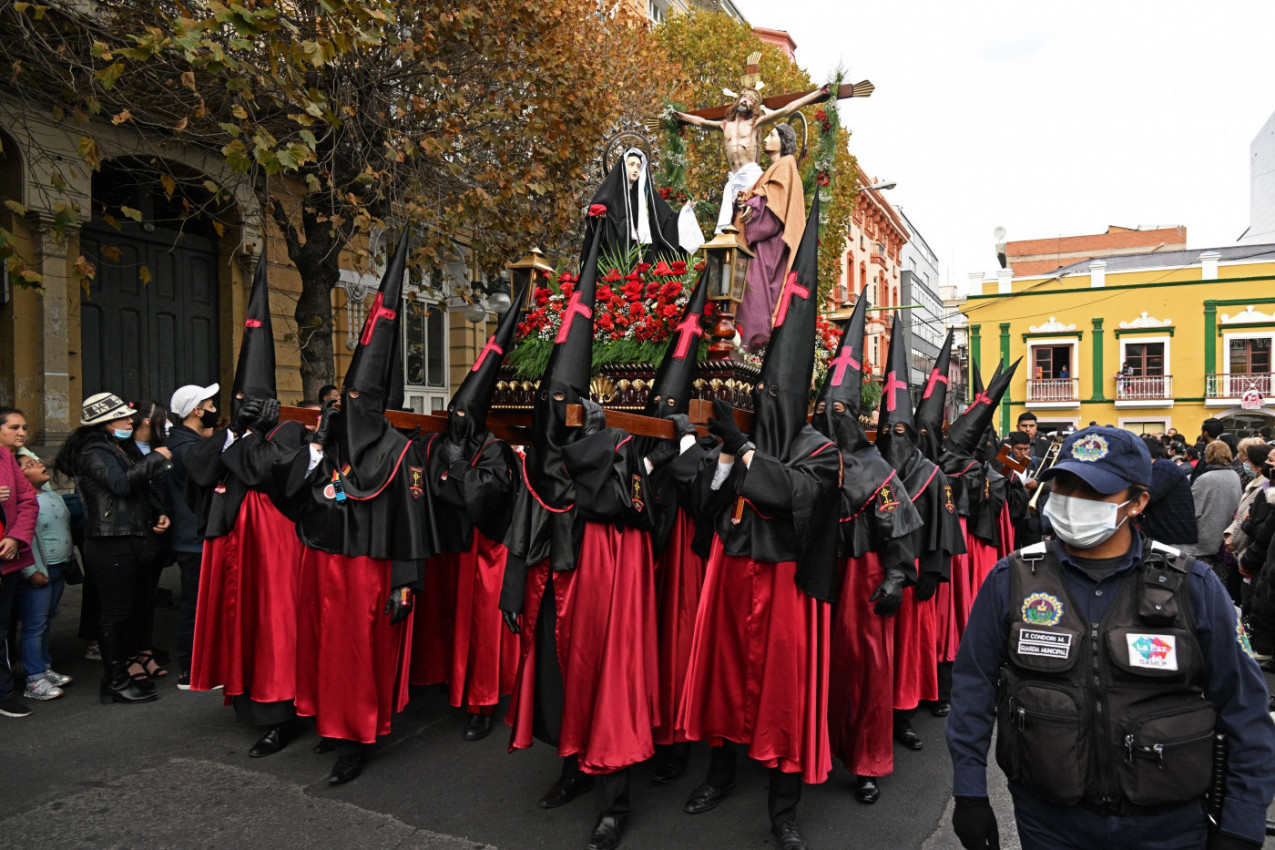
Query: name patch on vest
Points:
[1046, 644]
[1153, 652]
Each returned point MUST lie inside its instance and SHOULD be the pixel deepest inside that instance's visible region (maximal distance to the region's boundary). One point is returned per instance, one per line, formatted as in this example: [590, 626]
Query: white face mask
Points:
[1083, 523]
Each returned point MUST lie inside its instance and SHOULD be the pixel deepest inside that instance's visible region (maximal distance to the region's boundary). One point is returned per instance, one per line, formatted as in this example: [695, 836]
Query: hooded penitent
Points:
[473, 398]
[782, 394]
[896, 403]
[368, 387]
[636, 214]
[565, 382]
[965, 434]
[844, 383]
[671, 388]
[929, 410]
[254, 374]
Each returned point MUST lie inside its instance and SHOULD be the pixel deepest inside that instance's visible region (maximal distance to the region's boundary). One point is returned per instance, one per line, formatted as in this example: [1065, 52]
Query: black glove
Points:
[449, 452]
[662, 454]
[269, 416]
[323, 431]
[1222, 841]
[249, 410]
[682, 426]
[974, 823]
[595, 417]
[723, 426]
[926, 585]
[511, 621]
[889, 594]
[399, 605]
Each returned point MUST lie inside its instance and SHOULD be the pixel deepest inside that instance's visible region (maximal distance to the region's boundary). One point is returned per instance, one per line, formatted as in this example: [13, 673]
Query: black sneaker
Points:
[183, 681]
[12, 707]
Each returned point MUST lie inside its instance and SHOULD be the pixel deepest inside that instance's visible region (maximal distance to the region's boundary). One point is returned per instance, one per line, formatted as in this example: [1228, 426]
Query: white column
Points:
[1098, 274]
[1004, 281]
[1208, 265]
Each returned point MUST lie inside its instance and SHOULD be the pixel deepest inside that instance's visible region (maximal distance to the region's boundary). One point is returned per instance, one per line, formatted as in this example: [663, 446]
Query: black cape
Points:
[471, 493]
[939, 537]
[877, 514]
[218, 481]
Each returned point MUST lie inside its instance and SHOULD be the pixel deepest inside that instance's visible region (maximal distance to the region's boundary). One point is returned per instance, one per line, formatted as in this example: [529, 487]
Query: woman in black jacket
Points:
[123, 512]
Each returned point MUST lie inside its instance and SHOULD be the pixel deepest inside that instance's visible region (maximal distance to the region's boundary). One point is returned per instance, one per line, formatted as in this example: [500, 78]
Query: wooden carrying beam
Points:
[635, 423]
[702, 411]
[511, 426]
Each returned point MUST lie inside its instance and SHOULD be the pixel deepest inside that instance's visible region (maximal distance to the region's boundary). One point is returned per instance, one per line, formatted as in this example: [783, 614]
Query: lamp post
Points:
[524, 271]
[727, 268]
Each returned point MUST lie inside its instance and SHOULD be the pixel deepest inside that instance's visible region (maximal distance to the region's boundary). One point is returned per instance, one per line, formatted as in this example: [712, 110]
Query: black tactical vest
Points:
[1106, 713]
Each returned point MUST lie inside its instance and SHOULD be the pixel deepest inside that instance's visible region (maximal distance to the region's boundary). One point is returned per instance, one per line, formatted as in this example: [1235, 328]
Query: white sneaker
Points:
[93, 652]
[41, 689]
[57, 678]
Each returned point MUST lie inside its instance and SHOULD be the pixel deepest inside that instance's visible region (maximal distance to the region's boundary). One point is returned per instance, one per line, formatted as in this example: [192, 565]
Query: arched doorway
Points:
[1243, 422]
[149, 319]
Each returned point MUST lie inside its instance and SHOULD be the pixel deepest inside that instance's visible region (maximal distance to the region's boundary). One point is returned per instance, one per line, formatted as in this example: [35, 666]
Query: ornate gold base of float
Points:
[626, 386]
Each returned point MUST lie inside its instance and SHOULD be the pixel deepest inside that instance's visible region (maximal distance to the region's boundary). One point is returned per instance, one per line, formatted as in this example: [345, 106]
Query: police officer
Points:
[1108, 662]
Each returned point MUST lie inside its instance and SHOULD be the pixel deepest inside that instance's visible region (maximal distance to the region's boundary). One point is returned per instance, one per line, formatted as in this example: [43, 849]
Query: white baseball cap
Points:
[187, 398]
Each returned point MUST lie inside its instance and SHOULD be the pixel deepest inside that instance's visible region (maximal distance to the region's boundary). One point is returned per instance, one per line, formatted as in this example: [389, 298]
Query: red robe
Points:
[861, 709]
[916, 650]
[679, 575]
[352, 671]
[758, 672]
[459, 638]
[605, 627]
[246, 619]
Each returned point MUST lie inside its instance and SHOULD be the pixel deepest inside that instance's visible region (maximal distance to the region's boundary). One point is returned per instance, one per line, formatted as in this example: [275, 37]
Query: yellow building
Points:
[1145, 341]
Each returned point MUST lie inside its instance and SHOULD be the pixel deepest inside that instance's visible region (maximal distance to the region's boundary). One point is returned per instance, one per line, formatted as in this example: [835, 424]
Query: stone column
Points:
[59, 404]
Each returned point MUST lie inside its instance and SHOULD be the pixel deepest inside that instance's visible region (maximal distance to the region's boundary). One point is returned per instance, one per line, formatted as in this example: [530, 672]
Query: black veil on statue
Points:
[567, 375]
[654, 221]
[896, 403]
[782, 394]
[254, 373]
[370, 385]
[929, 410]
[473, 397]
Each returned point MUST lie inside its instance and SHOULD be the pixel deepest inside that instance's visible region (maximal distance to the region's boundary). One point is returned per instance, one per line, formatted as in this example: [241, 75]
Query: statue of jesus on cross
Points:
[745, 124]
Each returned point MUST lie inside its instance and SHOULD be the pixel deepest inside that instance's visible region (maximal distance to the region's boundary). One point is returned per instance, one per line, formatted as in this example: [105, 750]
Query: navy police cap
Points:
[1107, 459]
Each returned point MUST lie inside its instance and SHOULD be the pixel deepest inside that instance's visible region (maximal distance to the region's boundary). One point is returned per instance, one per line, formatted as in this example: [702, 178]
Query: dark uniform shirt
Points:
[1235, 686]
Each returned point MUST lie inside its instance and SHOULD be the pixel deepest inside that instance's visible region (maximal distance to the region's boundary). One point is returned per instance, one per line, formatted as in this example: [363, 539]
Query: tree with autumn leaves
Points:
[473, 123]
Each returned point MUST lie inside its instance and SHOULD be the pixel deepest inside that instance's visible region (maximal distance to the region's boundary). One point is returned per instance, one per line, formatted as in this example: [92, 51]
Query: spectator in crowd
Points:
[122, 515]
[1192, 454]
[197, 409]
[1216, 491]
[1256, 561]
[1254, 452]
[1039, 443]
[1170, 513]
[1237, 457]
[18, 510]
[329, 392]
[1210, 431]
[1265, 433]
[150, 430]
[44, 581]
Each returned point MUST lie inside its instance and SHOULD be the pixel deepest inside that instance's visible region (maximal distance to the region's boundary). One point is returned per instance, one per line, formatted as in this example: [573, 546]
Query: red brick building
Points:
[1042, 256]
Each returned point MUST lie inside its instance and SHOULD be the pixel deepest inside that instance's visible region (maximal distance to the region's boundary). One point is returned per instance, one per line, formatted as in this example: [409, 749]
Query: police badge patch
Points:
[1090, 448]
[1042, 609]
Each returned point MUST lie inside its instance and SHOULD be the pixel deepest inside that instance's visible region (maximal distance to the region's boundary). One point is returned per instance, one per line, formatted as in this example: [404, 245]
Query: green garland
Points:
[531, 356]
[821, 175]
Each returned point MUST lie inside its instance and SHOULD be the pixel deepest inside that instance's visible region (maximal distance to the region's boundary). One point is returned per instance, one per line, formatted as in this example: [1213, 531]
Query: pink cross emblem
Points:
[686, 329]
[482, 355]
[574, 308]
[844, 358]
[379, 311]
[892, 383]
[791, 288]
[935, 378]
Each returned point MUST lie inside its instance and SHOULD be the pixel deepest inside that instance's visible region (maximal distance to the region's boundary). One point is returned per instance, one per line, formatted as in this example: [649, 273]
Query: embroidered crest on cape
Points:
[636, 496]
[947, 499]
[416, 479]
[886, 503]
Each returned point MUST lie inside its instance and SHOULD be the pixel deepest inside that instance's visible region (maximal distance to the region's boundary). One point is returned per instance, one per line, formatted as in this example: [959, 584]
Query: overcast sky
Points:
[1048, 119]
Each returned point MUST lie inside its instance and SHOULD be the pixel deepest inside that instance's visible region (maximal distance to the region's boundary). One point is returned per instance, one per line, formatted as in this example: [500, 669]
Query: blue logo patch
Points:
[1090, 448]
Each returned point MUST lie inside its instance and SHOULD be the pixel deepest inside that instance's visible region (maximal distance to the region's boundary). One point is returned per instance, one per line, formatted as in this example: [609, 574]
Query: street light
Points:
[524, 271]
[881, 187]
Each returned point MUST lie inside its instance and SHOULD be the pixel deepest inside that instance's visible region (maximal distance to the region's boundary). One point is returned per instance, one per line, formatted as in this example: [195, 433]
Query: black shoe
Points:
[348, 767]
[942, 708]
[325, 745]
[606, 835]
[274, 740]
[866, 789]
[788, 835]
[669, 770]
[908, 738]
[565, 790]
[13, 707]
[478, 727]
[705, 798]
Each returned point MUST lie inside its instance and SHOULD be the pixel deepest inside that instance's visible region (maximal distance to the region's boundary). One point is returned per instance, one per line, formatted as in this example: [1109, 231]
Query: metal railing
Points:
[1235, 385]
[1142, 387]
[1053, 389]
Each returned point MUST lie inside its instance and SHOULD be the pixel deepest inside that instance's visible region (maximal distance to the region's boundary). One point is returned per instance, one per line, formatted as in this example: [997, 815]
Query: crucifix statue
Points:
[744, 125]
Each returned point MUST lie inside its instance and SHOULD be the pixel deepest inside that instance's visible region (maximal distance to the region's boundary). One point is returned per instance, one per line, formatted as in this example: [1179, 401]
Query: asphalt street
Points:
[176, 773]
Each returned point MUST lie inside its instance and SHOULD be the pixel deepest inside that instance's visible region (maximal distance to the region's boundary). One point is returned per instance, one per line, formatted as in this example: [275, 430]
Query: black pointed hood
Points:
[676, 372]
[976, 381]
[844, 383]
[475, 392]
[254, 374]
[567, 374]
[782, 395]
[397, 388]
[933, 404]
[896, 402]
[967, 431]
[367, 388]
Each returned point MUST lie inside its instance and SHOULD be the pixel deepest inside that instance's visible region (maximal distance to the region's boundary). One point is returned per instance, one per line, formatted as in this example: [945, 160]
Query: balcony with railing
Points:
[1059, 391]
[1142, 388]
[1232, 387]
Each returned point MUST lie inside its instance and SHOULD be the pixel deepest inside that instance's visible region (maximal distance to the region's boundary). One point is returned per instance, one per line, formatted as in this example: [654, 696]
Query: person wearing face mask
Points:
[1258, 562]
[1107, 662]
[123, 511]
[458, 638]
